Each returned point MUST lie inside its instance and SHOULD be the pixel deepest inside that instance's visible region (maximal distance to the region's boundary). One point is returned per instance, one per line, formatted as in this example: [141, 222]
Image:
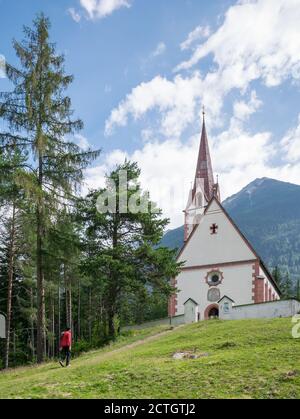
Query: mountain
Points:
[268, 213]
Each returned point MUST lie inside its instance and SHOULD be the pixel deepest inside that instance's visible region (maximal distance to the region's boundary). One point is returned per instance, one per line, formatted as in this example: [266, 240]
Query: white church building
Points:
[220, 265]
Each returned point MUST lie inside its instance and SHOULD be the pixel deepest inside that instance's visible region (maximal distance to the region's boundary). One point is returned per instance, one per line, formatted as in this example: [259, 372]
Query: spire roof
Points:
[204, 169]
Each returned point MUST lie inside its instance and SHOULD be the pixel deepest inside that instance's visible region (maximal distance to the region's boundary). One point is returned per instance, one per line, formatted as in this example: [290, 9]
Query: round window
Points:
[214, 278]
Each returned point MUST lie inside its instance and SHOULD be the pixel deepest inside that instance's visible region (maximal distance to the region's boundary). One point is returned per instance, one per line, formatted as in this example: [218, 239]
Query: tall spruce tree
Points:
[122, 243]
[39, 114]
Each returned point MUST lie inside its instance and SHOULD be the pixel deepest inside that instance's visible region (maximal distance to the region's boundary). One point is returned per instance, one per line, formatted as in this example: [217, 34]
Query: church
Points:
[219, 262]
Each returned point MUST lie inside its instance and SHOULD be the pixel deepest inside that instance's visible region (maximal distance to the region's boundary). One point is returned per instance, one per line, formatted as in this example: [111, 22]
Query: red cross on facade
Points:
[214, 229]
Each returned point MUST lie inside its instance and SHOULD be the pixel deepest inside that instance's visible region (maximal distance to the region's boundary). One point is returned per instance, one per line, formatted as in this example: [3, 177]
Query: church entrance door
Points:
[212, 312]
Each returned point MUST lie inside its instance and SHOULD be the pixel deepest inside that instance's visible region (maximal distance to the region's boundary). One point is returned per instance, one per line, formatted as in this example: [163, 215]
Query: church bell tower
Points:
[204, 187]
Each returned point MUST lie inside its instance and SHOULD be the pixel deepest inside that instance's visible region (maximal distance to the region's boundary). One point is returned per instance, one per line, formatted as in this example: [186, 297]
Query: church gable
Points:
[216, 240]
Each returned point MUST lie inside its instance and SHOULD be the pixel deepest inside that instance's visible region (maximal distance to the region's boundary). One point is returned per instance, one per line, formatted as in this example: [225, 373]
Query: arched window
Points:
[199, 200]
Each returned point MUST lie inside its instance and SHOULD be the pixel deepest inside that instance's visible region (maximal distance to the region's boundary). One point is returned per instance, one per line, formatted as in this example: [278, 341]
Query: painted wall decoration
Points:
[214, 295]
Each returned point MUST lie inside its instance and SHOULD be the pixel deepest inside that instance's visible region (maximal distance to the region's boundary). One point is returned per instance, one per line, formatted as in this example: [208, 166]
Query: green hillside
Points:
[268, 213]
[242, 359]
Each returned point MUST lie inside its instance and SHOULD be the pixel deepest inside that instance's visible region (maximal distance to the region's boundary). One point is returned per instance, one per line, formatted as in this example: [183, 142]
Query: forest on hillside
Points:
[63, 262]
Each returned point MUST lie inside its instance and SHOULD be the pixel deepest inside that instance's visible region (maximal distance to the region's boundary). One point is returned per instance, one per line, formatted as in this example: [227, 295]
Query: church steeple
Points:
[204, 169]
[204, 188]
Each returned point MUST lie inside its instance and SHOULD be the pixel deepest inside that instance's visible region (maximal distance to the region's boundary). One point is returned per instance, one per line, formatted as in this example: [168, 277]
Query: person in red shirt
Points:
[65, 347]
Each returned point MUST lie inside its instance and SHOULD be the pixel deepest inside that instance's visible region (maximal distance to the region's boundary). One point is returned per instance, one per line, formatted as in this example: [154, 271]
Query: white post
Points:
[2, 327]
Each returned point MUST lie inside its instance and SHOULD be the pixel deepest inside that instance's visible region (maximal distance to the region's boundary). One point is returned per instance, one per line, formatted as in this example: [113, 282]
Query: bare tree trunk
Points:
[113, 289]
[68, 288]
[111, 322]
[53, 329]
[111, 326]
[15, 347]
[79, 311]
[41, 323]
[70, 318]
[32, 325]
[90, 315]
[10, 284]
[59, 311]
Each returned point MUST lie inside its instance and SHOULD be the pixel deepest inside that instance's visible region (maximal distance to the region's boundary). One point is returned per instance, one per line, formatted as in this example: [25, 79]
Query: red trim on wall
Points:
[218, 266]
[258, 285]
[266, 292]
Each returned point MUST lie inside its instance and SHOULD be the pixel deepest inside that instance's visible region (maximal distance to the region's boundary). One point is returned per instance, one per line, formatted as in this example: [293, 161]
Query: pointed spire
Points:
[204, 169]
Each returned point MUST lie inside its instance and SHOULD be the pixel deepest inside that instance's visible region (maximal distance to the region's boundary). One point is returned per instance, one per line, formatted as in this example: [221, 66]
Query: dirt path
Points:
[133, 345]
[93, 358]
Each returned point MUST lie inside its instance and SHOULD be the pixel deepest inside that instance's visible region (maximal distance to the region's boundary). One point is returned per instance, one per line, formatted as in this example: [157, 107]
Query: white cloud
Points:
[258, 39]
[243, 110]
[82, 142]
[160, 50]
[201, 32]
[99, 9]
[74, 15]
[291, 144]
[2, 67]
[238, 156]
[176, 101]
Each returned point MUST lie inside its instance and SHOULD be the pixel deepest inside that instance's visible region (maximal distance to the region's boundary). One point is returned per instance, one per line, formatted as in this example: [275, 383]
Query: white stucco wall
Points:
[237, 283]
[177, 321]
[205, 248]
[190, 312]
[275, 309]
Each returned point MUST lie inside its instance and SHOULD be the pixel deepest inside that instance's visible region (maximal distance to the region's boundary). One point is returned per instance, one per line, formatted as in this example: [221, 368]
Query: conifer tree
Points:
[287, 286]
[38, 113]
[122, 243]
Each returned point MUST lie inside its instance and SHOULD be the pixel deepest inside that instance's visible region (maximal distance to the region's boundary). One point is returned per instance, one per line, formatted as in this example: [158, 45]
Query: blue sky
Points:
[143, 69]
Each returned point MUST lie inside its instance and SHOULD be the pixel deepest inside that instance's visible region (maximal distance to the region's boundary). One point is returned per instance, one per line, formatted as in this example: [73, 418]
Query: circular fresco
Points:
[213, 295]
